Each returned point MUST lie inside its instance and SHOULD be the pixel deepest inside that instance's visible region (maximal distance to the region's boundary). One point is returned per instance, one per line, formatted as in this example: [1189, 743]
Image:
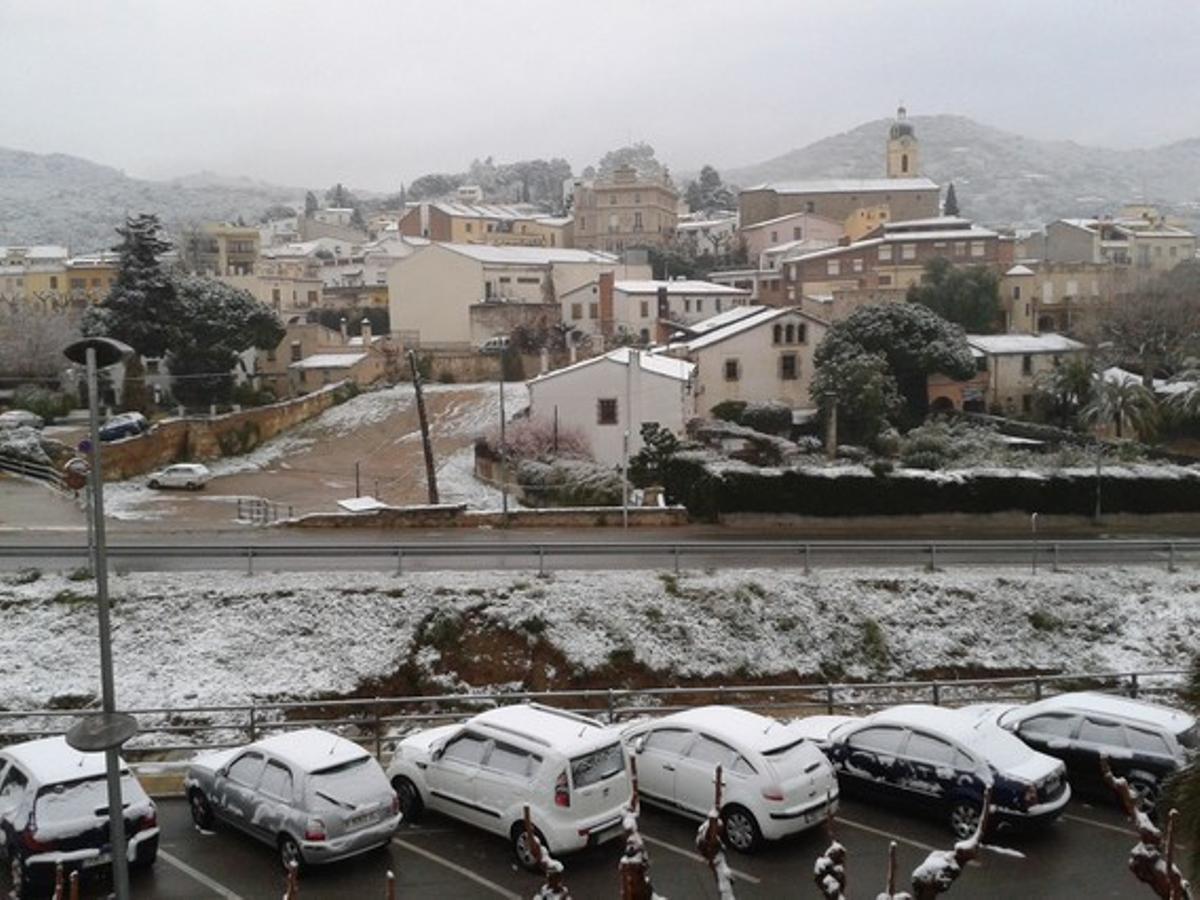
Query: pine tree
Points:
[310, 204]
[950, 207]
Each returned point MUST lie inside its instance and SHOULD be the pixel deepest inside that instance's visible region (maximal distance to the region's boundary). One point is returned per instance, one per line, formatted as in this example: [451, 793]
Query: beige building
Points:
[1014, 362]
[518, 225]
[1149, 246]
[311, 356]
[33, 273]
[219, 249]
[786, 230]
[644, 310]
[625, 210]
[1039, 295]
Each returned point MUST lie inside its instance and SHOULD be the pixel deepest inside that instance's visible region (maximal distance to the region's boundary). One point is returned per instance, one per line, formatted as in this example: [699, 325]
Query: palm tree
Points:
[1065, 389]
[1121, 401]
[1187, 401]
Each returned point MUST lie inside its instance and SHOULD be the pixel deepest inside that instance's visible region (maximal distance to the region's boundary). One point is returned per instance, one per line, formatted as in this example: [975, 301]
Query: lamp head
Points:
[108, 351]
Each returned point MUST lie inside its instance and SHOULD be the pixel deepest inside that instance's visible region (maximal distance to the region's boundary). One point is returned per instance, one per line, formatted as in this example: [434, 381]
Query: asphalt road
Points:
[1083, 854]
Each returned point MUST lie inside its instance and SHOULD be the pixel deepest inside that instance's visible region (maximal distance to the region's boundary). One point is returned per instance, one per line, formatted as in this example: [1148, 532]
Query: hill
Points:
[59, 199]
[1003, 178]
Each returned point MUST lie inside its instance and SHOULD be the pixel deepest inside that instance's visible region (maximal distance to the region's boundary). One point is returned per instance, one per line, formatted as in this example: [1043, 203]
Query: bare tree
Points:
[32, 338]
[1156, 327]
[1152, 859]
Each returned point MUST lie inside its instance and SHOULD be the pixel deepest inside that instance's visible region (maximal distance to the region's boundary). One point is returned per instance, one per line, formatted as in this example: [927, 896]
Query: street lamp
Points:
[107, 731]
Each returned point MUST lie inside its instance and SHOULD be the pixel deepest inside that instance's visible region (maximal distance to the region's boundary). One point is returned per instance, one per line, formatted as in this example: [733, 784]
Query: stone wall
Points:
[460, 517]
[197, 438]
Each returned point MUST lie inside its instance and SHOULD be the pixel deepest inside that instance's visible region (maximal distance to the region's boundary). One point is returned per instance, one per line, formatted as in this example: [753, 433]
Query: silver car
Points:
[312, 795]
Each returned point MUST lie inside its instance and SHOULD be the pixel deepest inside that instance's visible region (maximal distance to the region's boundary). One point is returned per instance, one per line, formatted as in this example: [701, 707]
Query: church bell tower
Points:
[902, 150]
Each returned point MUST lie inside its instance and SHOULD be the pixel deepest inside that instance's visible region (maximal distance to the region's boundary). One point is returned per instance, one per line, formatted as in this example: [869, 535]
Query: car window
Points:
[1146, 741]
[878, 740]
[927, 748]
[73, 801]
[12, 787]
[964, 762]
[246, 769]
[1101, 731]
[598, 765]
[347, 784]
[277, 781]
[742, 766]
[1052, 725]
[467, 749]
[669, 740]
[712, 752]
[512, 760]
[1189, 738]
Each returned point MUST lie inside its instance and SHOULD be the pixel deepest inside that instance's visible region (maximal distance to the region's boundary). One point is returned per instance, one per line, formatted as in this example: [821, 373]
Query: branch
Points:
[1147, 860]
[942, 867]
[829, 871]
[634, 866]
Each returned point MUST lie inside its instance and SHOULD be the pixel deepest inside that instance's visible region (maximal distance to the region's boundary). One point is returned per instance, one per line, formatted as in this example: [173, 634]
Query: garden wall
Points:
[458, 516]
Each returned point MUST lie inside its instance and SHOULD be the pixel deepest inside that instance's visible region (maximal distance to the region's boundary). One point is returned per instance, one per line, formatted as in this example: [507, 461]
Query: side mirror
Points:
[639, 744]
[436, 753]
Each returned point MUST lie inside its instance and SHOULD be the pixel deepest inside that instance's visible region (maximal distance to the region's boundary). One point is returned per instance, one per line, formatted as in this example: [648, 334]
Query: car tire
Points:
[1145, 788]
[289, 852]
[521, 849]
[411, 804]
[740, 829]
[192, 486]
[202, 814]
[147, 853]
[154, 483]
[964, 817]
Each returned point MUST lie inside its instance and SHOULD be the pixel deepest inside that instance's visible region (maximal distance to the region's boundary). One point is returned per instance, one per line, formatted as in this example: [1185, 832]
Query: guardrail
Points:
[379, 722]
[930, 554]
[37, 471]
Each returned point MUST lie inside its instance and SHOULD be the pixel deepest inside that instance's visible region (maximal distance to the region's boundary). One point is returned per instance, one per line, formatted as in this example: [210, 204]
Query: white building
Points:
[708, 235]
[1014, 362]
[637, 307]
[606, 396]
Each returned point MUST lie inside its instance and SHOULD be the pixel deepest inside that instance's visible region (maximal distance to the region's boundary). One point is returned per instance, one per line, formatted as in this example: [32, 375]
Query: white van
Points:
[497, 344]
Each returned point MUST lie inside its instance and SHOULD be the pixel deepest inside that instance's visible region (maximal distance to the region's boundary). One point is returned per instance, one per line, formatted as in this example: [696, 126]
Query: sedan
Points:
[191, 476]
[124, 425]
[773, 781]
[940, 761]
[313, 796]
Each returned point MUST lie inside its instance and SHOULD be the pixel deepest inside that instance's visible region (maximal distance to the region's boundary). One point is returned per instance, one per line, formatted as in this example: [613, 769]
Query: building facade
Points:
[641, 310]
[625, 210]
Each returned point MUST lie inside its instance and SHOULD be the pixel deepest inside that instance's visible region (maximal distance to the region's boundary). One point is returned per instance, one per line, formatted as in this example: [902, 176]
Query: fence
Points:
[37, 471]
[379, 722]
[259, 511]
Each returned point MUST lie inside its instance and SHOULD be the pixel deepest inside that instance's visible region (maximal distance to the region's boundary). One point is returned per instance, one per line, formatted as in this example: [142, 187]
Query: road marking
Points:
[219, 889]
[741, 876]
[455, 867]
[892, 837]
[1127, 830]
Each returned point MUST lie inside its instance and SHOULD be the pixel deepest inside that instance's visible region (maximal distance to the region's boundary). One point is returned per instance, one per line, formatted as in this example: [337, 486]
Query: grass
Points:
[534, 625]
[670, 584]
[70, 597]
[1041, 620]
[83, 573]
[27, 576]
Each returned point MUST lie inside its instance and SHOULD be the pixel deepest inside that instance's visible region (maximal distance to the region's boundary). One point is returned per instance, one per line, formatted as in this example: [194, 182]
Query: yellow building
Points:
[33, 273]
[218, 250]
[518, 225]
[625, 210]
[90, 278]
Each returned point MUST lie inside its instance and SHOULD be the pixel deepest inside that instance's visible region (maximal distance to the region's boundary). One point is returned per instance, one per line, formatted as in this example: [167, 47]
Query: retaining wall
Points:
[461, 517]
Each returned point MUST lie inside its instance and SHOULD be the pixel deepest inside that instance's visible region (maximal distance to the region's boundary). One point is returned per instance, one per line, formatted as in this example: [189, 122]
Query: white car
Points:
[54, 809]
[18, 418]
[774, 782]
[191, 476]
[570, 770]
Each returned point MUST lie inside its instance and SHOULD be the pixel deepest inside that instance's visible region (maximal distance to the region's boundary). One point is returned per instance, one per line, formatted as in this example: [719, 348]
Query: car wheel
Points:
[289, 853]
[1145, 789]
[411, 805]
[191, 486]
[521, 849]
[202, 814]
[147, 853]
[964, 818]
[154, 483]
[741, 829]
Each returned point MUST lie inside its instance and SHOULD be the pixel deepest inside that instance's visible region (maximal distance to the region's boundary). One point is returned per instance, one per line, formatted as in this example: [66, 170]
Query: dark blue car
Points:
[939, 761]
[123, 426]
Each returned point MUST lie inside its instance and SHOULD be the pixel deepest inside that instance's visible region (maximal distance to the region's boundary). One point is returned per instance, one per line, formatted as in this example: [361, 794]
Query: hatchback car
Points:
[570, 770]
[941, 760]
[1145, 743]
[54, 809]
[124, 425]
[774, 782]
[312, 795]
[20, 418]
[191, 476]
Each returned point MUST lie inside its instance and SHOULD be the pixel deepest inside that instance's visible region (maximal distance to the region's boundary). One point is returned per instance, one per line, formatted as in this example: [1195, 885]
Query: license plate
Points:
[362, 821]
[92, 861]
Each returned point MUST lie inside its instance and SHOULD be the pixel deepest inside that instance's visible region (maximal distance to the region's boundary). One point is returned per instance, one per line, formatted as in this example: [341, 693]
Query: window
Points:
[645, 306]
[1016, 292]
[885, 252]
[467, 749]
[878, 740]
[593, 310]
[711, 752]
[271, 355]
[597, 766]
[908, 251]
[637, 198]
[904, 162]
[277, 782]
[606, 411]
[246, 769]
[637, 221]
[809, 206]
[1026, 403]
[699, 304]
[732, 370]
[960, 248]
[612, 199]
[505, 279]
[1146, 742]
[275, 296]
[833, 267]
[54, 281]
[687, 304]
[718, 304]
[885, 280]
[977, 248]
[296, 351]
[468, 227]
[529, 280]
[511, 760]
[1027, 364]
[787, 367]
[668, 740]
[797, 233]
[858, 265]
[312, 298]
[577, 311]
[14, 785]
[777, 334]
[929, 749]
[802, 333]
[1048, 726]
[774, 237]
[790, 334]
[1101, 731]
[78, 284]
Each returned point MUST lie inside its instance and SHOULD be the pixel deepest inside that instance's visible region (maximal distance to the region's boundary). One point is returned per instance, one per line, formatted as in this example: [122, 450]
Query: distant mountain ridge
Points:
[1003, 178]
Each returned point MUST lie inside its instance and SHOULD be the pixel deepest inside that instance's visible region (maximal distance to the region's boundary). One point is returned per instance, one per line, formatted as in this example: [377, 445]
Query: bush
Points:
[247, 395]
[41, 401]
[536, 439]
[769, 418]
[569, 483]
[729, 410]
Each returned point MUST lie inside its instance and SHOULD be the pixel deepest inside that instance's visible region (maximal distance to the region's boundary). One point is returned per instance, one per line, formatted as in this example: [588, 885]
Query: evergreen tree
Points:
[310, 204]
[950, 207]
[968, 297]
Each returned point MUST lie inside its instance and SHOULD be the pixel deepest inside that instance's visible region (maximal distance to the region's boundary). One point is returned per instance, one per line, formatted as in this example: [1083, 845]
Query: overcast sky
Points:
[375, 93]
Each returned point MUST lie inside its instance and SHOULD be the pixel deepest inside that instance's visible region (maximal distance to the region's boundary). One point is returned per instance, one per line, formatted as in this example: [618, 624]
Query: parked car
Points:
[940, 760]
[312, 795]
[570, 770]
[20, 418]
[497, 344]
[124, 425]
[54, 808]
[191, 476]
[774, 782]
[1145, 743]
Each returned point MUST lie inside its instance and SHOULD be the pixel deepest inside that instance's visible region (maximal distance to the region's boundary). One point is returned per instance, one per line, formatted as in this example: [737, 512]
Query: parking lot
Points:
[1083, 854]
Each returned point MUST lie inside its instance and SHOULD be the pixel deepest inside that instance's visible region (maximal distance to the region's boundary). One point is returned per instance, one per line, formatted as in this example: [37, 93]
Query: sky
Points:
[377, 93]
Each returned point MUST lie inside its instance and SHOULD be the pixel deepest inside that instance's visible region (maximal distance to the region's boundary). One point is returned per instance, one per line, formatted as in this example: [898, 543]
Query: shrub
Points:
[769, 418]
[568, 482]
[536, 439]
[41, 401]
[729, 410]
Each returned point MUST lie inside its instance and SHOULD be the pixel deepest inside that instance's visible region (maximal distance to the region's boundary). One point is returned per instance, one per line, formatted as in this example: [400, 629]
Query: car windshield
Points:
[349, 784]
[597, 765]
[1190, 737]
[1000, 748]
[86, 799]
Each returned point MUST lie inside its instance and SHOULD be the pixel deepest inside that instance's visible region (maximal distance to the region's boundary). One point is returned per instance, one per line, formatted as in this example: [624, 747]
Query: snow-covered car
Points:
[20, 418]
[570, 770]
[495, 345]
[313, 796]
[774, 781]
[940, 761]
[124, 425]
[54, 809]
[191, 476]
[1145, 743]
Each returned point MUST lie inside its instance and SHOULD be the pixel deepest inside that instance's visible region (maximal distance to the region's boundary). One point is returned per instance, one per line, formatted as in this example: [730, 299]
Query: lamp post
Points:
[1033, 523]
[107, 731]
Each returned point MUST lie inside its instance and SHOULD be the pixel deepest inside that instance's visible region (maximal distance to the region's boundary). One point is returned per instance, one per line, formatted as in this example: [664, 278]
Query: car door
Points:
[1050, 733]
[1150, 750]
[274, 800]
[234, 796]
[14, 790]
[1098, 736]
[696, 773]
[868, 758]
[503, 782]
[925, 770]
[451, 776]
[658, 761]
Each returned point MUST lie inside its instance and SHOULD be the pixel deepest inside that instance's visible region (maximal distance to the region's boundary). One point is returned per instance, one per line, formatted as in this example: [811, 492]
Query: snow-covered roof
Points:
[794, 215]
[1020, 270]
[679, 369]
[311, 749]
[1160, 385]
[1004, 344]
[486, 253]
[50, 760]
[740, 727]
[799, 247]
[329, 361]
[679, 287]
[701, 224]
[934, 222]
[848, 186]
[1092, 701]
[969, 233]
[722, 319]
[556, 728]
[358, 341]
[766, 315]
[36, 251]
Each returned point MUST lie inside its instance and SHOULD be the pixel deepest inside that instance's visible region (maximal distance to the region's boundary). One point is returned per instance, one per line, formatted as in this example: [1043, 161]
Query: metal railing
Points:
[36, 471]
[379, 722]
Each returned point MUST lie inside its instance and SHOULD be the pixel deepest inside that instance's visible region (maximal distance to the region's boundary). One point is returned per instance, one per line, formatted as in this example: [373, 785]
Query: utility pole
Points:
[503, 455]
[831, 425]
[356, 491]
[430, 472]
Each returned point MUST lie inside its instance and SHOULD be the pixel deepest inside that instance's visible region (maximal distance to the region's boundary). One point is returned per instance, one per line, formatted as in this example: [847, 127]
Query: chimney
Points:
[365, 331]
[345, 336]
[606, 303]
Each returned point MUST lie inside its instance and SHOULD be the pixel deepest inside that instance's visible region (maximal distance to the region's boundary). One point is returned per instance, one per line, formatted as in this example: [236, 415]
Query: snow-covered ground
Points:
[212, 638]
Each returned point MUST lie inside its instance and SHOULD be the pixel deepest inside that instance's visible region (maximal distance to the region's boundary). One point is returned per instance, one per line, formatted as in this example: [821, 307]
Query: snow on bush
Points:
[24, 443]
[569, 482]
[539, 439]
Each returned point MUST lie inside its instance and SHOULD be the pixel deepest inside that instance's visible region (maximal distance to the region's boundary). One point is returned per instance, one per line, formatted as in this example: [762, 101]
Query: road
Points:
[1082, 855]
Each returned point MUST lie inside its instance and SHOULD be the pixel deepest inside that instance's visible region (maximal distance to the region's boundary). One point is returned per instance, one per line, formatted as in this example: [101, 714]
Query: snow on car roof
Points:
[736, 726]
[311, 749]
[1121, 707]
[51, 760]
[951, 723]
[548, 726]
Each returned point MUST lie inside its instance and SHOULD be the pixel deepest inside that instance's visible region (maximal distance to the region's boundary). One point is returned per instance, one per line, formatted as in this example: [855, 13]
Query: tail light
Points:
[314, 830]
[562, 792]
[149, 820]
[29, 838]
[773, 792]
[1031, 796]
